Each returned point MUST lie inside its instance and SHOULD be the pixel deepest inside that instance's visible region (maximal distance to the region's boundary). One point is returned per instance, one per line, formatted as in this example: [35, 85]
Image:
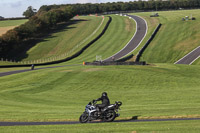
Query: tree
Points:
[1, 17]
[30, 12]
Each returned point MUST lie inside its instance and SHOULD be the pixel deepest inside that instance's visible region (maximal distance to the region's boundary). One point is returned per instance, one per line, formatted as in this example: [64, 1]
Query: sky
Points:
[15, 8]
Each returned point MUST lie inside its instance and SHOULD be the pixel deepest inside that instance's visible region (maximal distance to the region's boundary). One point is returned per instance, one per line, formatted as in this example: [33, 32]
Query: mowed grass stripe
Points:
[61, 94]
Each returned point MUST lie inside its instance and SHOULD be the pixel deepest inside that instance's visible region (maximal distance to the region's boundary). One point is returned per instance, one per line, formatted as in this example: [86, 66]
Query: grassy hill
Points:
[60, 94]
[175, 39]
[66, 38]
[10, 24]
[118, 34]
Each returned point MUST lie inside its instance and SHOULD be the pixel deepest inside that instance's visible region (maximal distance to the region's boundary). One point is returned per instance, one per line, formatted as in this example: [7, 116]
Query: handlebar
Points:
[94, 101]
[118, 103]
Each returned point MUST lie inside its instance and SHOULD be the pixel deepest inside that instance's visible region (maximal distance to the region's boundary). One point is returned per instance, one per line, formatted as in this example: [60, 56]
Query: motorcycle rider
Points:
[105, 101]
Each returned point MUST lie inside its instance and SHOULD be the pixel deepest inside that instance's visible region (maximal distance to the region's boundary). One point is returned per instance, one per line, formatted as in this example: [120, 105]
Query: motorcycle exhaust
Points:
[117, 115]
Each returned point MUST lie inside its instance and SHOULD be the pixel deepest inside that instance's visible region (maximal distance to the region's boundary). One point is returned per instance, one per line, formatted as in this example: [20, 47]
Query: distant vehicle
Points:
[154, 15]
[107, 114]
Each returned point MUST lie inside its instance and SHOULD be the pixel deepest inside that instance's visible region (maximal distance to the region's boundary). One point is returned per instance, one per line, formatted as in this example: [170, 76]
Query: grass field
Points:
[10, 24]
[175, 39]
[59, 94]
[141, 127]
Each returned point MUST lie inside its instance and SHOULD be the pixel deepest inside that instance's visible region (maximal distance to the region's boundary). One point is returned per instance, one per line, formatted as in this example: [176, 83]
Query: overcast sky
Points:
[15, 8]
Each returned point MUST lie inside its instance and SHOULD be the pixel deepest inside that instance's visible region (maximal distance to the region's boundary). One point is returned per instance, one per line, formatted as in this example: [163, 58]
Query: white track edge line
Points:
[132, 38]
[187, 55]
[194, 60]
[127, 43]
[142, 38]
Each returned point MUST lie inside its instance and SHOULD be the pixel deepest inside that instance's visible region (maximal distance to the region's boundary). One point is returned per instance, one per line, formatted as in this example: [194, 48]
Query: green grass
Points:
[60, 94]
[8, 23]
[197, 62]
[7, 63]
[175, 39]
[141, 127]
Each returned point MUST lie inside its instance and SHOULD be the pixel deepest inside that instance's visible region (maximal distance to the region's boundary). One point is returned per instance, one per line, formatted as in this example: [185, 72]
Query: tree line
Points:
[39, 25]
[49, 16]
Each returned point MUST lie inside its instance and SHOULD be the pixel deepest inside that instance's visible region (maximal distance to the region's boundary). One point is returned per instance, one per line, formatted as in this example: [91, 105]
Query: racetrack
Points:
[190, 58]
[76, 122]
[141, 31]
[26, 70]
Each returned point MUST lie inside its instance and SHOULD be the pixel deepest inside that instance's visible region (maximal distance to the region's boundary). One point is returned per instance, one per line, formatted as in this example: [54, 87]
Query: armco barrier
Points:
[99, 63]
[68, 58]
[147, 43]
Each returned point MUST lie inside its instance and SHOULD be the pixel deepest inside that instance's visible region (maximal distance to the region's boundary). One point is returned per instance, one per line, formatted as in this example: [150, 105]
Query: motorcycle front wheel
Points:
[109, 116]
[84, 118]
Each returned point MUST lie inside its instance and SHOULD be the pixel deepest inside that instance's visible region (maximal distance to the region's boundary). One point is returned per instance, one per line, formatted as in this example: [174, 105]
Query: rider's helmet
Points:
[104, 94]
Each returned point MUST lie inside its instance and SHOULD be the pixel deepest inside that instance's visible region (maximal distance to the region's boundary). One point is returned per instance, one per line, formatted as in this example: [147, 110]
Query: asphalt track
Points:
[26, 70]
[141, 31]
[76, 122]
[190, 58]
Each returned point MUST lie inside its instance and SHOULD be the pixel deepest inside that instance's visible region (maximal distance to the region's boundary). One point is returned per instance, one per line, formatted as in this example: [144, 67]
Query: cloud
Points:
[16, 4]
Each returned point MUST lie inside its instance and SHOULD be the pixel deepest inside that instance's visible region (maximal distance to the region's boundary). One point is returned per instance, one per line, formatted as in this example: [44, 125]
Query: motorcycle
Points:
[107, 114]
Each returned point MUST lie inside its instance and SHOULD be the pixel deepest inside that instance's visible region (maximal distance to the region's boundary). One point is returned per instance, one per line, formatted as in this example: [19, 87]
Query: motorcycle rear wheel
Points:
[84, 118]
[109, 116]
